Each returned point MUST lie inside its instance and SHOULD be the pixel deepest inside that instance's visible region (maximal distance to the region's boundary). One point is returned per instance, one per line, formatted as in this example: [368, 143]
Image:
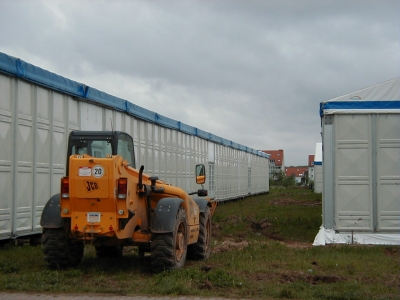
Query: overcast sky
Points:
[253, 72]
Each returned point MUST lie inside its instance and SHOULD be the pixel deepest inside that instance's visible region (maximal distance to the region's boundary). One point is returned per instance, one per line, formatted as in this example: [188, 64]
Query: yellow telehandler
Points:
[105, 201]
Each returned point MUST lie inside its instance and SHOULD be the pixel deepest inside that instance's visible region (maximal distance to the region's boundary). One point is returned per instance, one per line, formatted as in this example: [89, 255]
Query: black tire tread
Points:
[163, 248]
[199, 250]
[60, 251]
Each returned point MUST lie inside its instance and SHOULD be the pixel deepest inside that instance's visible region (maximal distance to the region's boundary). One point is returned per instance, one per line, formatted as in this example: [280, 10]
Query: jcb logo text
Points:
[91, 186]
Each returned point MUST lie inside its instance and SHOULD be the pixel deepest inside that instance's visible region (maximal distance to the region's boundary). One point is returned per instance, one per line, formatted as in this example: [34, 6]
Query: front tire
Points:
[59, 250]
[202, 249]
[168, 250]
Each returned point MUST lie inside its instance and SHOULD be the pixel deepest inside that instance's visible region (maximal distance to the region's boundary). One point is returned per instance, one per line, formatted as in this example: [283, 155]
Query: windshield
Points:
[95, 148]
[102, 146]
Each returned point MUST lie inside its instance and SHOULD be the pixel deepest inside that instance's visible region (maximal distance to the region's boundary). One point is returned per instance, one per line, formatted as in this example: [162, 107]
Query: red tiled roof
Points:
[276, 155]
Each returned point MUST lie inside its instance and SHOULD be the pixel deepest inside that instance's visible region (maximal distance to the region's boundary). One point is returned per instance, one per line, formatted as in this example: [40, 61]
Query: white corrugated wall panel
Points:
[6, 155]
[186, 161]
[61, 130]
[91, 117]
[318, 178]
[388, 172]
[142, 144]
[24, 145]
[353, 172]
[108, 123]
[170, 154]
[159, 166]
[174, 156]
[180, 149]
[34, 126]
[42, 152]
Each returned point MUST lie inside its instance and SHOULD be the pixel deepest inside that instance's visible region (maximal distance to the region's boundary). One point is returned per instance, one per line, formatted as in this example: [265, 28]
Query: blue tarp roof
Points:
[21, 69]
[380, 98]
[371, 106]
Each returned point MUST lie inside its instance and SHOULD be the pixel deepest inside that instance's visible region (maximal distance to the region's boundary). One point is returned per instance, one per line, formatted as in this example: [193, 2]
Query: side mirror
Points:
[200, 174]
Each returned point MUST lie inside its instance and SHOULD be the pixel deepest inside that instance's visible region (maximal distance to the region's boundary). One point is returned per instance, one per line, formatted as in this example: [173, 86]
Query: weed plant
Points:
[262, 248]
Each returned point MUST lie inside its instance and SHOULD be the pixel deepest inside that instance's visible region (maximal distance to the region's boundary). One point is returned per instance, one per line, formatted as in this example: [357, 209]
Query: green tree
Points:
[280, 179]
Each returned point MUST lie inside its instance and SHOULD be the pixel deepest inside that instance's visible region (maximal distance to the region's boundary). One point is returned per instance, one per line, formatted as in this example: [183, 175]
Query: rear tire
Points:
[202, 249]
[168, 250]
[59, 250]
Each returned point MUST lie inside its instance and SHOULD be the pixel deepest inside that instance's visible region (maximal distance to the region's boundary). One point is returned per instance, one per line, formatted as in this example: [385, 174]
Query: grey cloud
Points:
[251, 71]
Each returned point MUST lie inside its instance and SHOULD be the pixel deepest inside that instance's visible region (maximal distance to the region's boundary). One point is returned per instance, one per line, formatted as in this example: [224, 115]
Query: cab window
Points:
[125, 148]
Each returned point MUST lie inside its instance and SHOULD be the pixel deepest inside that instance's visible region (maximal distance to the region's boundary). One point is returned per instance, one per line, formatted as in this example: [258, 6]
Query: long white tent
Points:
[38, 109]
[361, 166]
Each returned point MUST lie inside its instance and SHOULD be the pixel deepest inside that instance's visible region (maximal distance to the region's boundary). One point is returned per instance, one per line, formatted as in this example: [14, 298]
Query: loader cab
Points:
[101, 144]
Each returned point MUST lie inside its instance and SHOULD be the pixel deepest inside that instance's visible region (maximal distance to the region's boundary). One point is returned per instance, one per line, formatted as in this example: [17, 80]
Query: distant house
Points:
[311, 167]
[276, 161]
[297, 172]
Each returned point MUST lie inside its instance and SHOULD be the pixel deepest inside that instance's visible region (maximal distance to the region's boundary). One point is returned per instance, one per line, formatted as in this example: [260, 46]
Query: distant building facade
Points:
[311, 167]
[276, 161]
[297, 172]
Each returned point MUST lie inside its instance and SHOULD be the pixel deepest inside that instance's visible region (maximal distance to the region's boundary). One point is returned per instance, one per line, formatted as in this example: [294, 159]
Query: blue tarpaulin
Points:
[8, 64]
[141, 112]
[167, 122]
[360, 105]
[105, 99]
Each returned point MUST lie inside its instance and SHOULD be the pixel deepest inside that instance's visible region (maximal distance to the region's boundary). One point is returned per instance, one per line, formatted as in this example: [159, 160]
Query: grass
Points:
[261, 249]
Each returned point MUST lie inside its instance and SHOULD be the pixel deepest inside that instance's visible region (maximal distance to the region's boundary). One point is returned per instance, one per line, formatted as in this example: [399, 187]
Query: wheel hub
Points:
[180, 246]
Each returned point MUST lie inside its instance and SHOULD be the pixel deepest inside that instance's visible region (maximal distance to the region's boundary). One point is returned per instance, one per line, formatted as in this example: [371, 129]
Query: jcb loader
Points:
[105, 201]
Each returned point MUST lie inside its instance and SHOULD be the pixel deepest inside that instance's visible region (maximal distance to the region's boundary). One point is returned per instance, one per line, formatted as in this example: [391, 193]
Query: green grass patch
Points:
[261, 249]
[285, 214]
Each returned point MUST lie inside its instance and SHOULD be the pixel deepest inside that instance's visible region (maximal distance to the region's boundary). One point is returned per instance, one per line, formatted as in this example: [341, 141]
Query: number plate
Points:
[93, 217]
[85, 171]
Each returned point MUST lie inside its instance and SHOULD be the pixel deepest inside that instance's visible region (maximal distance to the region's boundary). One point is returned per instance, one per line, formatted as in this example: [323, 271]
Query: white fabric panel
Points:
[211, 180]
[42, 178]
[388, 172]
[23, 185]
[330, 236]
[92, 117]
[318, 173]
[118, 123]
[388, 90]
[60, 139]
[6, 155]
[318, 178]
[211, 152]
[318, 152]
[73, 114]
[108, 123]
[353, 173]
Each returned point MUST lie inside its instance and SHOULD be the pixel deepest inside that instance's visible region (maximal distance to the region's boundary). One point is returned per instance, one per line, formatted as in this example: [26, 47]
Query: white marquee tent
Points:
[361, 167]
